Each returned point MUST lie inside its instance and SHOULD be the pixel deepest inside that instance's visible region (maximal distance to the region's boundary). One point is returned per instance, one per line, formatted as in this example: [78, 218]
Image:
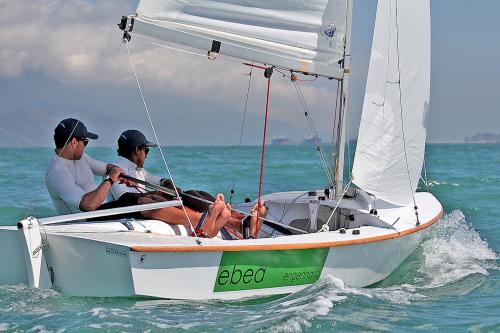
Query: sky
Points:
[64, 58]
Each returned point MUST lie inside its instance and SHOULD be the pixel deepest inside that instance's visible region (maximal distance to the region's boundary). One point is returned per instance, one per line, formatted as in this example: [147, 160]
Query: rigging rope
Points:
[346, 188]
[32, 204]
[349, 167]
[170, 47]
[242, 127]
[402, 121]
[158, 142]
[426, 182]
[51, 166]
[332, 148]
[267, 74]
[314, 132]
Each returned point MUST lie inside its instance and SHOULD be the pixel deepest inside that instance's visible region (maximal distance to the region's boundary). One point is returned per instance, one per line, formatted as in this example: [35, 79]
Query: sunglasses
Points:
[146, 149]
[84, 140]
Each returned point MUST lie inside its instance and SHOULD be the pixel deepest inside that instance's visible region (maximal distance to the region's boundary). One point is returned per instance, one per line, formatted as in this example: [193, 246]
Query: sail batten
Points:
[302, 36]
[391, 140]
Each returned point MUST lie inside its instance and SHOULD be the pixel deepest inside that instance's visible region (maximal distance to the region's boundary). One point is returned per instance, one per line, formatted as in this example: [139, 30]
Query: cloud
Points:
[65, 39]
[74, 42]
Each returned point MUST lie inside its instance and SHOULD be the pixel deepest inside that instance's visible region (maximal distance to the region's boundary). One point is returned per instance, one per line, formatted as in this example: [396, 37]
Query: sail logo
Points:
[328, 34]
[330, 30]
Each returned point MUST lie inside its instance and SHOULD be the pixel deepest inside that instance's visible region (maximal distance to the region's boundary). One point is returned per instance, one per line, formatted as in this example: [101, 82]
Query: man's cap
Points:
[133, 138]
[74, 128]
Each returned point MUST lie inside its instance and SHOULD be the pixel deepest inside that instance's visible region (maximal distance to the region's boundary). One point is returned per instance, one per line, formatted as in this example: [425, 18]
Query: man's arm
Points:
[98, 168]
[150, 178]
[92, 200]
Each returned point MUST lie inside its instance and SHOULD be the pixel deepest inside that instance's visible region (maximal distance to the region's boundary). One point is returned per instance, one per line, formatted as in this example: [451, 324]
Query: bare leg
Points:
[171, 215]
[218, 216]
[235, 220]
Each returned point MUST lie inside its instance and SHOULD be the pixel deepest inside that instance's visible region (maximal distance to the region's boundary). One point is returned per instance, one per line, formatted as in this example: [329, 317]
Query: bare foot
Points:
[237, 215]
[235, 220]
[210, 225]
[258, 211]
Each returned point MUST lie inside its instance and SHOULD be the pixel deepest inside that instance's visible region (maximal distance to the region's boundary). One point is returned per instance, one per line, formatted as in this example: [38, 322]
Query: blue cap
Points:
[133, 138]
[74, 128]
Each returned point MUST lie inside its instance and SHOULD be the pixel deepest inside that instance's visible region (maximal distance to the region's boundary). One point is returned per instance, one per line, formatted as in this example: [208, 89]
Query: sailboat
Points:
[359, 229]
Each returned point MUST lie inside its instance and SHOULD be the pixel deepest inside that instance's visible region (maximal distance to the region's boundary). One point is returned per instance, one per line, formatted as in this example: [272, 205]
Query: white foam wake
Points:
[453, 251]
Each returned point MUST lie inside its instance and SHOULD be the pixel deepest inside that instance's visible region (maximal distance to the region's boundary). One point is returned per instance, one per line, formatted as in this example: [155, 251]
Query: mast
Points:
[344, 103]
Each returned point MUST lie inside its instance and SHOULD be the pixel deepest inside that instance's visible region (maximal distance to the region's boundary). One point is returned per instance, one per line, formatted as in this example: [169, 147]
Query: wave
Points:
[455, 250]
[24, 299]
[448, 262]
[452, 260]
[434, 183]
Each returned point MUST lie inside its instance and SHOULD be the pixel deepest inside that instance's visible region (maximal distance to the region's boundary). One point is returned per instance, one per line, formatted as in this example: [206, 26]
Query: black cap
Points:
[133, 138]
[73, 127]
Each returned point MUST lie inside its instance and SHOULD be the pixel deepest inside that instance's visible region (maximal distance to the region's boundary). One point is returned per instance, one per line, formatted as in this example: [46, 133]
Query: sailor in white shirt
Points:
[134, 143]
[70, 174]
[133, 149]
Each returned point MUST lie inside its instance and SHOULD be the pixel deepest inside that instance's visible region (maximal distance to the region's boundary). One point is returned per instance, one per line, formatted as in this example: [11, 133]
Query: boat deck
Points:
[154, 236]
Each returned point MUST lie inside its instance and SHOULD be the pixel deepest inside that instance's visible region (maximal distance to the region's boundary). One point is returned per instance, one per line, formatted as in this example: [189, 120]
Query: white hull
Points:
[107, 259]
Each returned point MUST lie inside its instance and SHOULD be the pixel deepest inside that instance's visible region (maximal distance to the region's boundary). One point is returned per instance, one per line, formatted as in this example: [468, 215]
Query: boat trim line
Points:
[287, 246]
[108, 212]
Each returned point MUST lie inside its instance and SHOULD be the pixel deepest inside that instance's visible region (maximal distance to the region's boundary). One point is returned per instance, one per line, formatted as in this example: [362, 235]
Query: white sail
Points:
[306, 36]
[391, 139]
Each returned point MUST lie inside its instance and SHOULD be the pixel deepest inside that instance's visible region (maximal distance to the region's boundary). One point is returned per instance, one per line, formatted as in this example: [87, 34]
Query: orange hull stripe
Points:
[297, 246]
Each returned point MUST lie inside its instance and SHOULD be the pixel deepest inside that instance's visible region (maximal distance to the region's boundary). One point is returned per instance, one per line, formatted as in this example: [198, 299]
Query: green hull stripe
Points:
[248, 270]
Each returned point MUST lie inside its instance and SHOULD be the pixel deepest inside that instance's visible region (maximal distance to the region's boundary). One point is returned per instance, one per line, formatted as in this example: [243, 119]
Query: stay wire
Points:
[314, 132]
[170, 47]
[346, 188]
[158, 142]
[32, 205]
[114, 56]
[348, 146]
[242, 127]
[257, 227]
[319, 148]
[310, 121]
[305, 108]
[402, 120]
[219, 56]
[332, 148]
[426, 181]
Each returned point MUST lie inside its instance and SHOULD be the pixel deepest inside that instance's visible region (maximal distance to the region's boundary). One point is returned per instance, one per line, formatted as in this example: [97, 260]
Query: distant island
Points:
[312, 140]
[483, 138]
[282, 141]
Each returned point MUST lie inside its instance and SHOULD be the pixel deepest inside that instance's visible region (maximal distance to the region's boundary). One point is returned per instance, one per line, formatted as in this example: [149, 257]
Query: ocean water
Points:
[451, 283]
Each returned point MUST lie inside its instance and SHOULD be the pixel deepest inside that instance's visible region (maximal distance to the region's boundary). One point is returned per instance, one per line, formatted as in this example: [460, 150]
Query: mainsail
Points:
[306, 36]
[391, 140]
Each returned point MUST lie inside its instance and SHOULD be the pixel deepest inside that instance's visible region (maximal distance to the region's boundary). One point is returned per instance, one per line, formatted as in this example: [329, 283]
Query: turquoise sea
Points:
[451, 283]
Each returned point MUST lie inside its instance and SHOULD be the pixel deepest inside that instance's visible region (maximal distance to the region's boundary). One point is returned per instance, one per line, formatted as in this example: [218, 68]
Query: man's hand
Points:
[128, 183]
[169, 184]
[110, 167]
[115, 173]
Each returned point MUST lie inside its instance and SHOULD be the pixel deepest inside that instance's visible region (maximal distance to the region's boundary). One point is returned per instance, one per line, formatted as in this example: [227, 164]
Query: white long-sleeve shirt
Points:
[69, 180]
[131, 169]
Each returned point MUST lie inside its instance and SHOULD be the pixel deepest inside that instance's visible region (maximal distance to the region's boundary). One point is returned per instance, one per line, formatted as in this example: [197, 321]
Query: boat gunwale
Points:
[285, 246]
